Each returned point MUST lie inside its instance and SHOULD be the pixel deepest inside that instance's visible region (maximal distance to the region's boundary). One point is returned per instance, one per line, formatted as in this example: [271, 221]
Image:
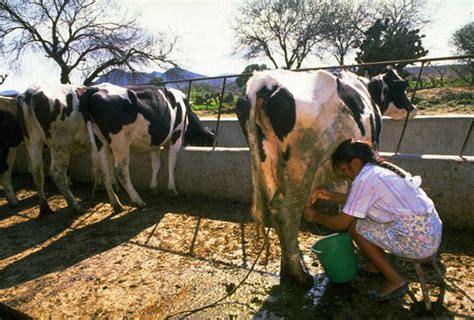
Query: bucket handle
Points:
[317, 251]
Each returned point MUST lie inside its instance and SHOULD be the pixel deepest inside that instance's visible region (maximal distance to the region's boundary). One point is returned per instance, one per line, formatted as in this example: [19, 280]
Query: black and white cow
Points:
[145, 117]
[293, 122]
[10, 138]
[49, 115]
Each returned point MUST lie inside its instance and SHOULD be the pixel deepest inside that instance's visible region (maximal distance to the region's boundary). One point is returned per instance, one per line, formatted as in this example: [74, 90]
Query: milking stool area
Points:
[422, 280]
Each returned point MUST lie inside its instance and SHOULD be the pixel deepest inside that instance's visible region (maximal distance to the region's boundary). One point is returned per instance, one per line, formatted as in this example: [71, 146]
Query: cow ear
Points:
[387, 69]
[388, 79]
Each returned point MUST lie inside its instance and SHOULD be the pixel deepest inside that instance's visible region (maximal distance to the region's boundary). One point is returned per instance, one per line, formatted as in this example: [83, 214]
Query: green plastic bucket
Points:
[337, 257]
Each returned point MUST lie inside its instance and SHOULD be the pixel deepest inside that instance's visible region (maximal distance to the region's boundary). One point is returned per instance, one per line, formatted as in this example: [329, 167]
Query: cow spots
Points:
[66, 112]
[353, 100]
[171, 98]
[98, 143]
[279, 105]
[176, 135]
[178, 117]
[43, 112]
[242, 109]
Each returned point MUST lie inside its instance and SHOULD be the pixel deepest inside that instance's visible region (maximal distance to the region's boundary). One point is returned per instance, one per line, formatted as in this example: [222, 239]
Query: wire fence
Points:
[467, 59]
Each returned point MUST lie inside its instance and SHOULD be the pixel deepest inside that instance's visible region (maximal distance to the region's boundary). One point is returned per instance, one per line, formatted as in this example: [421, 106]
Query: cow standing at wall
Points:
[145, 117]
[49, 115]
[10, 138]
[293, 122]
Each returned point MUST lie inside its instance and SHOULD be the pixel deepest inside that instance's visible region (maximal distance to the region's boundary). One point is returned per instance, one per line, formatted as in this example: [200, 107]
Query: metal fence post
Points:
[224, 81]
[411, 101]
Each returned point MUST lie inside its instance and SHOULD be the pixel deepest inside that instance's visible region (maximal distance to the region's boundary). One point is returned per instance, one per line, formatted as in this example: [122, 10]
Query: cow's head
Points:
[388, 90]
[196, 133]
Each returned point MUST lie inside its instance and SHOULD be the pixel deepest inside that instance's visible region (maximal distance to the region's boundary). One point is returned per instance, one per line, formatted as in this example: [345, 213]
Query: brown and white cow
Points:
[293, 122]
[10, 138]
[49, 115]
[145, 117]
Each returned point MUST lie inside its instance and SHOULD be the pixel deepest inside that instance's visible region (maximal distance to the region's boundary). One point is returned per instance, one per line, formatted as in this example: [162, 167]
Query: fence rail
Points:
[424, 62]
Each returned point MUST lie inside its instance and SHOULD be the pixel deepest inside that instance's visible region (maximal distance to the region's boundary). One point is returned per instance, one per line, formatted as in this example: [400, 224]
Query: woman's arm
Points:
[324, 194]
[341, 221]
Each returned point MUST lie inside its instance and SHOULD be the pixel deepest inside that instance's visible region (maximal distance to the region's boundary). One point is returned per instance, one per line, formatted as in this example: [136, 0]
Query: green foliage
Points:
[157, 80]
[241, 80]
[384, 41]
[463, 39]
[207, 97]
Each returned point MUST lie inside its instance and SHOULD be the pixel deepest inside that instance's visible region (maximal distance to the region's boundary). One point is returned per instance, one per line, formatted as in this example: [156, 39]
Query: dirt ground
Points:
[184, 253]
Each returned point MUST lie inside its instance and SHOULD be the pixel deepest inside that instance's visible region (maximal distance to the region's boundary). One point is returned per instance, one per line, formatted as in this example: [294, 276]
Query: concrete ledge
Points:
[448, 180]
[424, 134]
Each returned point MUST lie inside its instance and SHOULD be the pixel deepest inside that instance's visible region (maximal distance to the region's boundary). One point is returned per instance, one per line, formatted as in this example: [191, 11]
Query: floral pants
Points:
[413, 236]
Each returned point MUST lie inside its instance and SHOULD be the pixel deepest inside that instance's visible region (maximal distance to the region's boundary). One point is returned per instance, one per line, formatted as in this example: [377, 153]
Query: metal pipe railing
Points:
[423, 61]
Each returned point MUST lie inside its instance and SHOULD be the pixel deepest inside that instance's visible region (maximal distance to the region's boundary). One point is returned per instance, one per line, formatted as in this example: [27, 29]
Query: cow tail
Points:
[260, 199]
[84, 99]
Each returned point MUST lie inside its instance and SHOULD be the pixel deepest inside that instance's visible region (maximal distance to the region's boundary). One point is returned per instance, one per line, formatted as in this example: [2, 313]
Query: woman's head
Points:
[351, 149]
[351, 155]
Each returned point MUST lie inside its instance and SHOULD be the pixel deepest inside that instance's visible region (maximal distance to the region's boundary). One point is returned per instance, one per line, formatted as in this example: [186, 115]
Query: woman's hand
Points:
[310, 214]
[322, 194]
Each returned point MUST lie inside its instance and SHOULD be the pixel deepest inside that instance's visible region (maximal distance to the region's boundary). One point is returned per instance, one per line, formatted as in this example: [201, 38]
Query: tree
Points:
[241, 80]
[343, 22]
[463, 39]
[384, 41]
[284, 31]
[87, 36]
[410, 14]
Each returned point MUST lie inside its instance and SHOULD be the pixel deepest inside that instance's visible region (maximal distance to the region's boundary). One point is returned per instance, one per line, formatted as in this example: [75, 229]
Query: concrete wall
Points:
[423, 135]
[224, 173]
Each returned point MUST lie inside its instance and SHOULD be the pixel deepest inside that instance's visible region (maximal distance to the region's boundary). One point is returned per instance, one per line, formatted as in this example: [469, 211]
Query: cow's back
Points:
[51, 113]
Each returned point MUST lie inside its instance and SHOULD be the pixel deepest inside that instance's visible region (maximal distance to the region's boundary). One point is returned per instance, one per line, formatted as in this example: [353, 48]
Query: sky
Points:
[206, 39]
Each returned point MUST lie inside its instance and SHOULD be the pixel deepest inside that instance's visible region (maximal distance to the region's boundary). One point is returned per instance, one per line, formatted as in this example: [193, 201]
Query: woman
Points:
[385, 210]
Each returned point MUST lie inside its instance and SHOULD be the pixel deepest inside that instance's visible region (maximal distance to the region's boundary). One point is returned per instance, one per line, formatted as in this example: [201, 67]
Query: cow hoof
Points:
[13, 203]
[305, 280]
[172, 193]
[77, 209]
[139, 205]
[45, 211]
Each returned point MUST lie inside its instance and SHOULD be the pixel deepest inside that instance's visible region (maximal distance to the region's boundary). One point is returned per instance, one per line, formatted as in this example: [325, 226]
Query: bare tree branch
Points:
[89, 36]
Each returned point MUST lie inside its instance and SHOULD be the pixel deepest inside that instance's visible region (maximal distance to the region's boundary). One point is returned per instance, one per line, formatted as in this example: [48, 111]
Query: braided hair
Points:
[355, 149]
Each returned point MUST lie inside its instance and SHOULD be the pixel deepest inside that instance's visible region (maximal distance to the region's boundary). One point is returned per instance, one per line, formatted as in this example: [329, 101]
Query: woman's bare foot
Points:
[390, 287]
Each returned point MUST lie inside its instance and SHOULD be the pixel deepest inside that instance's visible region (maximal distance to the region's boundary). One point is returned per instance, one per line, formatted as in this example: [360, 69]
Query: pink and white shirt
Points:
[382, 195]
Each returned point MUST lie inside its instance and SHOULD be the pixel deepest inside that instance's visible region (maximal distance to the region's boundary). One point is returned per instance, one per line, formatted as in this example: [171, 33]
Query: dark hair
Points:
[351, 149]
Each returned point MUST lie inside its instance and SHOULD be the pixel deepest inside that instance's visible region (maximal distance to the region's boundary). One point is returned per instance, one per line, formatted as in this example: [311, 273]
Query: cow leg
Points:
[60, 157]
[107, 172]
[286, 220]
[35, 152]
[172, 158]
[122, 161]
[7, 178]
[155, 156]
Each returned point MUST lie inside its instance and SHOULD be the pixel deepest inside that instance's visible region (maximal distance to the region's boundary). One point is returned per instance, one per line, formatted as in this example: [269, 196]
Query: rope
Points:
[191, 311]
